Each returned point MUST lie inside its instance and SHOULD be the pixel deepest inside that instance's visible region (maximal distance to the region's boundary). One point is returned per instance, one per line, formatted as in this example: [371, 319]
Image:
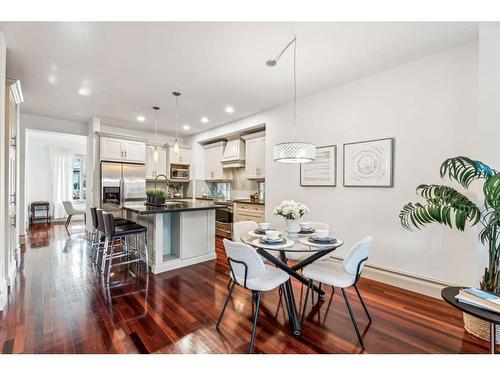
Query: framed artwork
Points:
[323, 170]
[369, 163]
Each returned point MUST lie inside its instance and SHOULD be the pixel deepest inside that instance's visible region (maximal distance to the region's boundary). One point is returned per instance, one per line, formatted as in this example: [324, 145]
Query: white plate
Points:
[257, 243]
[305, 241]
[253, 234]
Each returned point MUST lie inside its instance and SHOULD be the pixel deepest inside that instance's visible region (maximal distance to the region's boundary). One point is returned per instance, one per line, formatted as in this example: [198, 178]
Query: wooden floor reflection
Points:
[59, 305]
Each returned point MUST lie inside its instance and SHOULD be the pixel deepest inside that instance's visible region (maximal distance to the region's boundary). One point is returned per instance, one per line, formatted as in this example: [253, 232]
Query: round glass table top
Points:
[292, 242]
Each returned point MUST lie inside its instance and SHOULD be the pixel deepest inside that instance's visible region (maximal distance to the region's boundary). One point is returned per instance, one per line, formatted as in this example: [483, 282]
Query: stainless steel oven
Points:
[224, 220]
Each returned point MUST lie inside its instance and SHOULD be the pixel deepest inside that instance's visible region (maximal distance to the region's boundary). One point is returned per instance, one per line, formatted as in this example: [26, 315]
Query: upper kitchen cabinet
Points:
[184, 156]
[117, 149]
[153, 168]
[255, 156]
[214, 171]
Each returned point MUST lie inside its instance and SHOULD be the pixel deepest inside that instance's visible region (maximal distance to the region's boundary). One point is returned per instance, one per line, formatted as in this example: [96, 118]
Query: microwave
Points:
[179, 172]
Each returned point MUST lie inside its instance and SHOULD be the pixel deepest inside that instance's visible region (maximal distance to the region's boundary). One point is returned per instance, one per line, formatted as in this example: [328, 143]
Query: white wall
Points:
[38, 143]
[430, 107]
[3, 212]
[43, 123]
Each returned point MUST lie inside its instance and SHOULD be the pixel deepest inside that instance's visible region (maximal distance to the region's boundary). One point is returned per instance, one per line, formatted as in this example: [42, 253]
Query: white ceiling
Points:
[129, 67]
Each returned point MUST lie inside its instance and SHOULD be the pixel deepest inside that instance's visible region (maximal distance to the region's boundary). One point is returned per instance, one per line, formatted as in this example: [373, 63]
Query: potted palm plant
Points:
[447, 206]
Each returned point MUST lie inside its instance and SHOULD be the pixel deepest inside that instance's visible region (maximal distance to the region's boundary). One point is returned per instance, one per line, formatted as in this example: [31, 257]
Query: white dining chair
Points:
[341, 275]
[248, 270]
[242, 227]
[71, 211]
[298, 256]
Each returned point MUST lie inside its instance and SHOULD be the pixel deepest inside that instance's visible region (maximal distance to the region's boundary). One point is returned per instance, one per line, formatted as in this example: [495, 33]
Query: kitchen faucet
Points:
[161, 175]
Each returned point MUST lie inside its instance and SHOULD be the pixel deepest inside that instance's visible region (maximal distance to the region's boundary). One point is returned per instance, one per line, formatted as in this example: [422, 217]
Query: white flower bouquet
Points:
[291, 210]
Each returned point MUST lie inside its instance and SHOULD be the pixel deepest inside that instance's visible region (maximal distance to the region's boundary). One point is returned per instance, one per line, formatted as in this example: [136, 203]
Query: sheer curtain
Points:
[61, 170]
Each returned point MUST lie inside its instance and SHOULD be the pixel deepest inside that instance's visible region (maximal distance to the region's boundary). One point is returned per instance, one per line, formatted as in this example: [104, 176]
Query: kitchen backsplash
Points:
[240, 186]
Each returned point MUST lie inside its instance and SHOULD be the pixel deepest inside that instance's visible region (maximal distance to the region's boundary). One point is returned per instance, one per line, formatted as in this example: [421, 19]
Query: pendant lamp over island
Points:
[293, 151]
[176, 144]
[155, 154]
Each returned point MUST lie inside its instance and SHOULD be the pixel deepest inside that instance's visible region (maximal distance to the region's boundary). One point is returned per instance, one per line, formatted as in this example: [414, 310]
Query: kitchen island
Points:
[180, 233]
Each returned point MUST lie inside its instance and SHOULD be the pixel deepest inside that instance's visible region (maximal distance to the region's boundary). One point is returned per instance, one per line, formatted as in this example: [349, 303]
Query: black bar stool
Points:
[124, 232]
[97, 215]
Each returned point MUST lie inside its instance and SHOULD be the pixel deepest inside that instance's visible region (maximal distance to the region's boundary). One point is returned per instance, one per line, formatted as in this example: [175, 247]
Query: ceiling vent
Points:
[234, 154]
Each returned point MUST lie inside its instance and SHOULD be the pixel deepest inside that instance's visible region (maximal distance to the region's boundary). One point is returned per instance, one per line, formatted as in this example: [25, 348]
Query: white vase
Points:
[292, 226]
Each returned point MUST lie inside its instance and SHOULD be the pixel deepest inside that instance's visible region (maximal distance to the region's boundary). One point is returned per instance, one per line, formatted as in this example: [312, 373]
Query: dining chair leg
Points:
[363, 304]
[352, 318]
[254, 329]
[309, 287]
[68, 221]
[333, 289]
[225, 303]
[229, 284]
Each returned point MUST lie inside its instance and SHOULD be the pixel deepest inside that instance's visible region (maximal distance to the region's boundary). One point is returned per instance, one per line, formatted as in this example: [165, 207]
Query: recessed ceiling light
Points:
[229, 109]
[141, 118]
[186, 127]
[84, 91]
[204, 120]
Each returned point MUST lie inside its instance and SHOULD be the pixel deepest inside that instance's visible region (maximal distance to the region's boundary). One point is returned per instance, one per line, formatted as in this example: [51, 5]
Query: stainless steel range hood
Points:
[234, 154]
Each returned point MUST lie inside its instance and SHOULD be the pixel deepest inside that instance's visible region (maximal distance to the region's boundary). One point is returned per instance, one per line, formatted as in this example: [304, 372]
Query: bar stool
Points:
[97, 215]
[124, 232]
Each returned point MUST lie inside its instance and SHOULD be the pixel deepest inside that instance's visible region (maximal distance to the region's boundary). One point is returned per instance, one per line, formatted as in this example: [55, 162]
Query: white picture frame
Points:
[323, 170]
[369, 163]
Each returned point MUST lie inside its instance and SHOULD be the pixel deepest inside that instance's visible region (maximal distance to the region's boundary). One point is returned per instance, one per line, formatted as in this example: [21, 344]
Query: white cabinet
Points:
[134, 151]
[255, 156]
[111, 149]
[184, 156]
[153, 168]
[213, 166]
[116, 149]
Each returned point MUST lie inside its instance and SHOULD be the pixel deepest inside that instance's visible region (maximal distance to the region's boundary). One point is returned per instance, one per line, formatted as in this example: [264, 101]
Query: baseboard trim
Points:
[418, 284]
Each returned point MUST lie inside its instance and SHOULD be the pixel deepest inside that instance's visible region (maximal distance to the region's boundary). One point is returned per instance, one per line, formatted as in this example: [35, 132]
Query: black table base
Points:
[292, 271]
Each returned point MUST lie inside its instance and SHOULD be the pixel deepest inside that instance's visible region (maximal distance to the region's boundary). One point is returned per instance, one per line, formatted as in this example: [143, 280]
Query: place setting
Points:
[272, 239]
[318, 238]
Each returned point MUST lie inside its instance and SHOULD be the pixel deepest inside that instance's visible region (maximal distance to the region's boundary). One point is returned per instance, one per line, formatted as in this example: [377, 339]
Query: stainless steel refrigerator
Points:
[121, 184]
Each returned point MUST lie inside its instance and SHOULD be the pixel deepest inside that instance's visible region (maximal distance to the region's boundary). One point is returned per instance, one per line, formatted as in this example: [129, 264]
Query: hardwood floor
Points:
[58, 305]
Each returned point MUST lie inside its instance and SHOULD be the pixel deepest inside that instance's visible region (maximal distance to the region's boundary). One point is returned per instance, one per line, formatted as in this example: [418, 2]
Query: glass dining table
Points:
[276, 254]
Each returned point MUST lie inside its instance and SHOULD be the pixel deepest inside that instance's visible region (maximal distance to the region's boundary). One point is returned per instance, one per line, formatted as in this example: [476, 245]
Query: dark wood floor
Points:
[58, 305]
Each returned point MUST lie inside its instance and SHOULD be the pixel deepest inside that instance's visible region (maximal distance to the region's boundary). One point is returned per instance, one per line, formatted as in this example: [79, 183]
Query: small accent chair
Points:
[248, 270]
[342, 275]
[71, 211]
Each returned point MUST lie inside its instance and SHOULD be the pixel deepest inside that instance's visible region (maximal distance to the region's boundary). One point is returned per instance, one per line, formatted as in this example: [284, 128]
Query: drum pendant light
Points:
[293, 151]
[155, 153]
[176, 144]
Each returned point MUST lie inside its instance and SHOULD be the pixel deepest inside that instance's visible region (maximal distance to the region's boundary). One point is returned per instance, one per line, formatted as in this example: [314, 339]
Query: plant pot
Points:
[149, 200]
[479, 328]
[159, 201]
[292, 226]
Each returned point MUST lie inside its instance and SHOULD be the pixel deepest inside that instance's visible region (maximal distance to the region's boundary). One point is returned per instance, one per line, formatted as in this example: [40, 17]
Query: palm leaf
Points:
[465, 170]
[491, 190]
[443, 205]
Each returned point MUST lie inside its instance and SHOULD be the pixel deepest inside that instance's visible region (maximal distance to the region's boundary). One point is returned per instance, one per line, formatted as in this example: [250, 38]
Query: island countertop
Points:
[169, 207]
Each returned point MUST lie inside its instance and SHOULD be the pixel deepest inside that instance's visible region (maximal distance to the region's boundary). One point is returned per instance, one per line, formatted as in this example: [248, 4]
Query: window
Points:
[79, 178]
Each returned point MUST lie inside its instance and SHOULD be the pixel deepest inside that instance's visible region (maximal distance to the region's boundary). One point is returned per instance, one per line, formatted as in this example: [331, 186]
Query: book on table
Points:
[480, 298]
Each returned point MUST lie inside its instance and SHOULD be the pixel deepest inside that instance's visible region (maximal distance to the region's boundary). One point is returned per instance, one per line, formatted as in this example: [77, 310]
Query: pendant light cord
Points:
[176, 115]
[294, 87]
